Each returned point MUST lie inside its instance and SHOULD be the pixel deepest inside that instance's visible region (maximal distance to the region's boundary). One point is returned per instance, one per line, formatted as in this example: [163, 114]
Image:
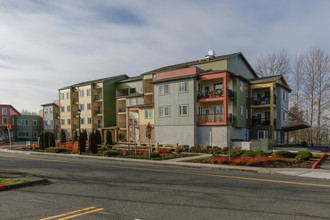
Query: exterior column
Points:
[225, 107]
[271, 105]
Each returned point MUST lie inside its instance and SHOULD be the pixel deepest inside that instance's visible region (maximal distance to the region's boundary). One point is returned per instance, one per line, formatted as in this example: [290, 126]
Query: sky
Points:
[49, 44]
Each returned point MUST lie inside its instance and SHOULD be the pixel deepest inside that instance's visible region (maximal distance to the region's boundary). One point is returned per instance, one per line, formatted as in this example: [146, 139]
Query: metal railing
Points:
[134, 121]
[121, 109]
[203, 118]
[148, 89]
[122, 124]
[262, 121]
[98, 125]
[262, 100]
[75, 101]
[98, 111]
[214, 93]
[98, 97]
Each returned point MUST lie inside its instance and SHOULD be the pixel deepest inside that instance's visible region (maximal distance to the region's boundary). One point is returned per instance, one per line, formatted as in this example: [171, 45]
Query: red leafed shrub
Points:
[249, 161]
[164, 150]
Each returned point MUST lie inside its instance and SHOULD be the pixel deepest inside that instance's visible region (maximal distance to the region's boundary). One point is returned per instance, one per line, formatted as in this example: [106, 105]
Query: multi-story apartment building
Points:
[88, 99]
[51, 117]
[7, 114]
[269, 109]
[27, 127]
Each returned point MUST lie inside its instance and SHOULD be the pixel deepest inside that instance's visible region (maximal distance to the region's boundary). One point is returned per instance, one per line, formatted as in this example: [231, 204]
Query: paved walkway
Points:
[302, 172]
[325, 164]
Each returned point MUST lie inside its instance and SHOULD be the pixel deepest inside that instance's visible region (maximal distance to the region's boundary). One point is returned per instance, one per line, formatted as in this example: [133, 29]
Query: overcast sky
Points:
[47, 45]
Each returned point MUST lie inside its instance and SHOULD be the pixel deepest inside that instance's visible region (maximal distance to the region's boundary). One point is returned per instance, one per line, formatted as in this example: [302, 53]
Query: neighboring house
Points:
[7, 114]
[27, 127]
[88, 97]
[269, 105]
[51, 118]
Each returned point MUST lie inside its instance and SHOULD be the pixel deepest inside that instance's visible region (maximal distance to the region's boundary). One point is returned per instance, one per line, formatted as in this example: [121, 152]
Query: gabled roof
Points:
[11, 107]
[95, 81]
[190, 63]
[130, 79]
[278, 79]
[48, 104]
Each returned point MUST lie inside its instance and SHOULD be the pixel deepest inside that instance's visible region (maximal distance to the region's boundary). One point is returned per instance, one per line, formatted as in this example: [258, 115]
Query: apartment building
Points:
[86, 101]
[269, 109]
[51, 117]
[27, 127]
[7, 114]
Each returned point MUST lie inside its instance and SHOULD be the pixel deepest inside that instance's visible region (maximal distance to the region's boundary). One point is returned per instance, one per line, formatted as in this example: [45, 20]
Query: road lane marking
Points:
[84, 213]
[171, 171]
[68, 213]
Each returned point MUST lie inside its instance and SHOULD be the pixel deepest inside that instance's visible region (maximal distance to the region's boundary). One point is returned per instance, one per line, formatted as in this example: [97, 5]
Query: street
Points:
[98, 189]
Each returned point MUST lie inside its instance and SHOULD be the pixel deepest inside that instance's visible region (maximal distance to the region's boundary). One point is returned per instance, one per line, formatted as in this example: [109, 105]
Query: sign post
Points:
[9, 128]
[149, 128]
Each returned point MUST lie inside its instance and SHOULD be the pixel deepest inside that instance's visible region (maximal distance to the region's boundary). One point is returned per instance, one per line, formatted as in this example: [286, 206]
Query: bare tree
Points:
[277, 63]
[27, 112]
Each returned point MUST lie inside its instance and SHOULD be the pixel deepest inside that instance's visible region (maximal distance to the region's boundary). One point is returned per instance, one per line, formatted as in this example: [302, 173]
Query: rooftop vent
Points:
[210, 55]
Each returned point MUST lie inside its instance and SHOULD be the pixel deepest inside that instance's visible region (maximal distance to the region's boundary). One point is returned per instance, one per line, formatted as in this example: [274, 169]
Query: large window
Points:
[148, 113]
[262, 134]
[62, 108]
[88, 92]
[81, 93]
[82, 107]
[62, 121]
[89, 121]
[23, 134]
[89, 106]
[4, 120]
[4, 111]
[35, 134]
[68, 95]
[82, 121]
[164, 111]
[183, 110]
[61, 96]
[68, 108]
[183, 87]
[23, 122]
[218, 109]
[69, 121]
[163, 89]
[35, 123]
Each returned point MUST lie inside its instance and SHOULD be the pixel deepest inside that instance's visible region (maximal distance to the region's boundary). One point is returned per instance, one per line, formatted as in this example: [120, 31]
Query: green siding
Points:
[109, 101]
[238, 65]
[239, 99]
[217, 65]
[27, 128]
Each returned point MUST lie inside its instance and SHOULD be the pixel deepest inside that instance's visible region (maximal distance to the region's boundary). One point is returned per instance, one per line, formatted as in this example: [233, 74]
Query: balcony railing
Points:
[262, 121]
[134, 121]
[98, 111]
[122, 124]
[213, 93]
[75, 101]
[262, 100]
[98, 97]
[148, 89]
[98, 125]
[203, 118]
[121, 109]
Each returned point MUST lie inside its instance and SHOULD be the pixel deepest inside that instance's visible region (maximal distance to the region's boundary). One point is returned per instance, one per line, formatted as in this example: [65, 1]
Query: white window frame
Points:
[69, 121]
[162, 89]
[35, 123]
[89, 106]
[35, 134]
[264, 134]
[89, 120]
[285, 118]
[4, 111]
[181, 110]
[81, 93]
[148, 113]
[88, 92]
[82, 107]
[3, 120]
[68, 108]
[162, 111]
[183, 87]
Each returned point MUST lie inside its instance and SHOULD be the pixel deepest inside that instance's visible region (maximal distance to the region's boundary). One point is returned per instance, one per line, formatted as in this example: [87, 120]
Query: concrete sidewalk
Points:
[300, 172]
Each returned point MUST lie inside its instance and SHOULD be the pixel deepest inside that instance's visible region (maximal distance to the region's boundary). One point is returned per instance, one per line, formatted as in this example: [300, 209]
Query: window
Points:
[82, 121]
[68, 108]
[218, 109]
[81, 93]
[51, 109]
[147, 133]
[89, 106]
[51, 122]
[88, 92]
[241, 86]
[183, 110]
[274, 135]
[62, 122]
[284, 116]
[4, 111]
[82, 107]
[267, 115]
[89, 121]
[23, 134]
[4, 120]
[164, 111]
[262, 134]
[35, 134]
[23, 122]
[12, 121]
[68, 95]
[241, 110]
[163, 89]
[200, 110]
[284, 95]
[62, 108]
[182, 87]
[147, 113]
[35, 122]
[69, 121]
[61, 96]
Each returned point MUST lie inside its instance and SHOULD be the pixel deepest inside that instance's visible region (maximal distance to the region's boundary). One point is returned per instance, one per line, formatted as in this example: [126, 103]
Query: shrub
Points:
[164, 150]
[169, 146]
[109, 138]
[98, 137]
[193, 149]
[63, 136]
[237, 153]
[303, 155]
[46, 140]
[55, 150]
[92, 143]
[154, 155]
[82, 143]
[185, 148]
[110, 153]
[285, 154]
[254, 153]
[178, 150]
[41, 140]
[52, 139]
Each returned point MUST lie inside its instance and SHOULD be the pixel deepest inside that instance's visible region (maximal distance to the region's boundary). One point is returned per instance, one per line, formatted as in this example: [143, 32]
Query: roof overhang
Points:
[295, 127]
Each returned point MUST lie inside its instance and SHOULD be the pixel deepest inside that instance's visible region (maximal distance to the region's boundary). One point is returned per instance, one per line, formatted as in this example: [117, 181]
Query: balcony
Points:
[261, 100]
[262, 121]
[121, 109]
[148, 89]
[98, 125]
[75, 114]
[98, 111]
[134, 121]
[98, 98]
[206, 94]
[122, 124]
[205, 118]
[75, 101]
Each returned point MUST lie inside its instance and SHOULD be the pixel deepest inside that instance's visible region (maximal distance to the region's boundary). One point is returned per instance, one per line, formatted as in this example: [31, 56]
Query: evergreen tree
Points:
[52, 140]
[63, 136]
[41, 140]
[98, 137]
[109, 138]
[92, 143]
[46, 140]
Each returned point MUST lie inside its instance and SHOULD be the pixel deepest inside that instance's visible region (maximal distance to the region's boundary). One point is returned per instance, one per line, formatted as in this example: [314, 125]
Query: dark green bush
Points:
[110, 153]
[92, 143]
[303, 155]
[178, 149]
[63, 136]
[185, 148]
[254, 153]
[41, 140]
[109, 138]
[237, 153]
[285, 154]
[193, 149]
[52, 139]
[154, 155]
[55, 150]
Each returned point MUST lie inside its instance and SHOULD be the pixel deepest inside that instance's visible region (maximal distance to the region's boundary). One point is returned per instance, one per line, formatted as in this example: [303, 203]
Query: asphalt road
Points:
[96, 189]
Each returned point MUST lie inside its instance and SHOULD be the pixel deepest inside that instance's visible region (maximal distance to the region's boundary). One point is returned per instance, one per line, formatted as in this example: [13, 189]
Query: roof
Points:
[95, 81]
[294, 127]
[279, 79]
[174, 78]
[52, 103]
[195, 62]
[11, 107]
[130, 79]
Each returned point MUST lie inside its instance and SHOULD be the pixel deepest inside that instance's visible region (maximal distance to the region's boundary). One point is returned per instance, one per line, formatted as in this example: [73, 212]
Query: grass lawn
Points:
[11, 181]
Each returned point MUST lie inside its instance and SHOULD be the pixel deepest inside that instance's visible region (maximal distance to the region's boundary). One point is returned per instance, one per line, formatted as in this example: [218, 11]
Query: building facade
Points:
[27, 127]
[51, 118]
[7, 114]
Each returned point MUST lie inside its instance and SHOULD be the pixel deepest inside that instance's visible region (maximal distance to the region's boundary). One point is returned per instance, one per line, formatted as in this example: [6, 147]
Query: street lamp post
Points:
[79, 111]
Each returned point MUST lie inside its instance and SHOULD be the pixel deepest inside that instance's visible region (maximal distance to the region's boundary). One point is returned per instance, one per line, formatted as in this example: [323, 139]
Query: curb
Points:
[19, 185]
[317, 162]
